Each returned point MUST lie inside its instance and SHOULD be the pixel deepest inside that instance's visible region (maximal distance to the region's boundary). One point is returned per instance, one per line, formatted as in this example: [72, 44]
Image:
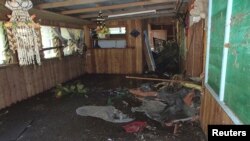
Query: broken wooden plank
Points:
[184, 83]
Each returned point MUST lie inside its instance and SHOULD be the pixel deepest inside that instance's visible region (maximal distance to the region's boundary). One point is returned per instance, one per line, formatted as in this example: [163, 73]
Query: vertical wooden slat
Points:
[11, 75]
[118, 61]
[4, 87]
[18, 83]
[195, 48]
[211, 112]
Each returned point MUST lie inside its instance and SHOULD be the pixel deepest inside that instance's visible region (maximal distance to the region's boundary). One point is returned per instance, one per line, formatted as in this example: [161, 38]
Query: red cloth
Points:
[135, 126]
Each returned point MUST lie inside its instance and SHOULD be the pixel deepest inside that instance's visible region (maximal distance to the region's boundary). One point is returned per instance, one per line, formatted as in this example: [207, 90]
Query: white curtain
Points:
[2, 43]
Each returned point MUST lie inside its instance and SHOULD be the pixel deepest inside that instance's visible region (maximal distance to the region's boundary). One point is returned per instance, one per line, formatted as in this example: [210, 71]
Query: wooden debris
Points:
[183, 83]
[171, 123]
[193, 86]
[138, 92]
[176, 127]
[188, 99]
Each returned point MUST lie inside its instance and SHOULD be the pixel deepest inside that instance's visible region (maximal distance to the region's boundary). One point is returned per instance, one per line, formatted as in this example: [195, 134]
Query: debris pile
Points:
[169, 102]
[167, 57]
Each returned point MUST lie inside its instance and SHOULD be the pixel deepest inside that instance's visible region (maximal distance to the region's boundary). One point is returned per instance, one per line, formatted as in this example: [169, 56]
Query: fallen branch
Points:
[182, 120]
[171, 123]
[25, 129]
[183, 83]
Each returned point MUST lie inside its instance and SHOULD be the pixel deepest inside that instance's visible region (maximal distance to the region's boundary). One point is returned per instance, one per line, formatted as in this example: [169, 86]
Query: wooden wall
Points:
[116, 61]
[19, 83]
[193, 63]
[211, 112]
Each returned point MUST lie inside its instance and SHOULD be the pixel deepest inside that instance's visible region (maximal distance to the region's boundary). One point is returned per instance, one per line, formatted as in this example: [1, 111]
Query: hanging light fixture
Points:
[23, 33]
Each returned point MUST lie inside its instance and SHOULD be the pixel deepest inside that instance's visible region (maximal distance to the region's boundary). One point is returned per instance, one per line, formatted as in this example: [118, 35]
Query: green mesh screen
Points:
[237, 93]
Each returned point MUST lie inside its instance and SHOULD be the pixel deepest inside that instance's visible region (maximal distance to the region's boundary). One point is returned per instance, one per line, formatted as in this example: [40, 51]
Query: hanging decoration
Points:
[101, 28]
[23, 32]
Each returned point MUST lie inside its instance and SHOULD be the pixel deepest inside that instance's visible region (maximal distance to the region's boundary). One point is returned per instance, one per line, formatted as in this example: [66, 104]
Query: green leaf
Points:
[72, 88]
[65, 89]
[79, 86]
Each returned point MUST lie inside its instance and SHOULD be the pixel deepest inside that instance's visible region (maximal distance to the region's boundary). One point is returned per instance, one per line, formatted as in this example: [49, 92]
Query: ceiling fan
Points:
[99, 18]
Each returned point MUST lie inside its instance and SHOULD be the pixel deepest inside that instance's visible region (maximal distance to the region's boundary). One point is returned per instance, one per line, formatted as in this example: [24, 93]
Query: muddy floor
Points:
[47, 118]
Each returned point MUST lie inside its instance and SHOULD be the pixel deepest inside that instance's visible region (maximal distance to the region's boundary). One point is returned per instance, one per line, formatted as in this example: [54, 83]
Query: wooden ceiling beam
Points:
[129, 11]
[118, 6]
[46, 17]
[66, 3]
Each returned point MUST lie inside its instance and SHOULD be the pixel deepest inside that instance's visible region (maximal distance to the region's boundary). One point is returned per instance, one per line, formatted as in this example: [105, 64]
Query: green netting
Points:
[219, 9]
[237, 93]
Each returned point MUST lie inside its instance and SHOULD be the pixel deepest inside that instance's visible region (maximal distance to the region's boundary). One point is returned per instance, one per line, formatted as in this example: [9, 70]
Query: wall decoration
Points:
[23, 32]
[134, 33]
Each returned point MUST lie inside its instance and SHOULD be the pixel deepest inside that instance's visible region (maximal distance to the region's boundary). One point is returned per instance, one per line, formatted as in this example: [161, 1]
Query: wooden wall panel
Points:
[195, 48]
[4, 87]
[19, 83]
[116, 61]
[211, 112]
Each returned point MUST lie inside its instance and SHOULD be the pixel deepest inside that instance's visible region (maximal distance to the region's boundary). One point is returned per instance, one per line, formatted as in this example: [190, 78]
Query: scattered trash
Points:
[6, 112]
[107, 113]
[125, 103]
[116, 94]
[109, 139]
[135, 127]
[75, 88]
[188, 99]
[151, 128]
[152, 108]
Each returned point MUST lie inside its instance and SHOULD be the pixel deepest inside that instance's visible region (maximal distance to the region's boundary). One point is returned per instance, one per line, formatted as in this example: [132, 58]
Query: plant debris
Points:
[75, 88]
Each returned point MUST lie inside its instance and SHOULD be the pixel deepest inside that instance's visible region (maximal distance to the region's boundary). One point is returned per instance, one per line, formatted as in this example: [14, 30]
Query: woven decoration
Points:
[23, 32]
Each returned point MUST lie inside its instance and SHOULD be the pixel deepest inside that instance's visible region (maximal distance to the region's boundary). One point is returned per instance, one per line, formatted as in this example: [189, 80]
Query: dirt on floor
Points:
[47, 118]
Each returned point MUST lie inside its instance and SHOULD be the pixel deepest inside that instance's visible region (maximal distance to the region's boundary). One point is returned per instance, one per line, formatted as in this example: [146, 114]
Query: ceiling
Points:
[88, 9]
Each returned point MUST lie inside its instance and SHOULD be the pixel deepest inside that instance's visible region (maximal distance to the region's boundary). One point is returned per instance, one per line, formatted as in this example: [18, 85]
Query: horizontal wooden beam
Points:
[118, 6]
[51, 17]
[66, 3]
[129, 11]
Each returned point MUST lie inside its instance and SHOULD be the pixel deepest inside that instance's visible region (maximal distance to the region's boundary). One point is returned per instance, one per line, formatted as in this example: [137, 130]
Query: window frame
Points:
[219, 97]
